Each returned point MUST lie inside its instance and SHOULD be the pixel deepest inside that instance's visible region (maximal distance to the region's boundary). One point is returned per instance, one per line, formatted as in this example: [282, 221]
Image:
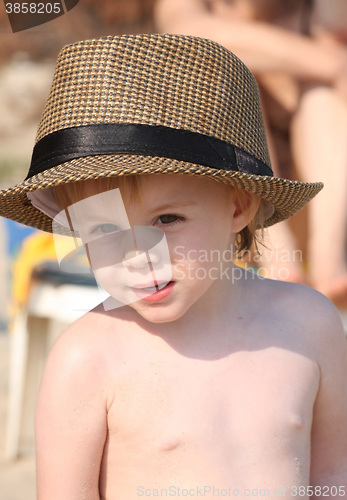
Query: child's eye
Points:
[106, 228]
[169, 219]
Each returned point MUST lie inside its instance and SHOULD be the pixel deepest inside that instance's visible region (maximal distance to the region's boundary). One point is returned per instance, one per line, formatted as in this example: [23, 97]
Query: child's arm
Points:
[71, 424]
[329, 431]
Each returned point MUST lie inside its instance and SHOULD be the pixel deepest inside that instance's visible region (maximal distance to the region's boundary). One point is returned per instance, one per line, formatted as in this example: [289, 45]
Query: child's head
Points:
[153, 147]
[152, 104]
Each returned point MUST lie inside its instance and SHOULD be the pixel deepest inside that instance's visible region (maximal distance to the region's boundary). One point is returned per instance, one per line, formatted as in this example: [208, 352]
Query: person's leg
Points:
[319, 131]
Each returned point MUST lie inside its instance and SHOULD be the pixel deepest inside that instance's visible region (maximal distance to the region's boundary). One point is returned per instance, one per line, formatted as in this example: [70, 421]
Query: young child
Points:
[198, 378]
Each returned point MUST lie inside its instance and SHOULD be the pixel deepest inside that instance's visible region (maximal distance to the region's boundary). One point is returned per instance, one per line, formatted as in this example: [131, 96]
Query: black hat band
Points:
[139, 139]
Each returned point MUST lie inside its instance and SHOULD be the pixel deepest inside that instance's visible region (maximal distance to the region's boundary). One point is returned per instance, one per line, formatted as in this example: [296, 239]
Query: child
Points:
[200, 379]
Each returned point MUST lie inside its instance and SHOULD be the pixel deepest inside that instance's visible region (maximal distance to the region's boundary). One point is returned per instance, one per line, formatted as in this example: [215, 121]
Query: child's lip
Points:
[157, 293]
[151, 284]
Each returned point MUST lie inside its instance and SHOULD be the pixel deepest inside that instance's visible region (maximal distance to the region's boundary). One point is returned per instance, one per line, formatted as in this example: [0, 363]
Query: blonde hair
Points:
[67, 194]
[70, 193]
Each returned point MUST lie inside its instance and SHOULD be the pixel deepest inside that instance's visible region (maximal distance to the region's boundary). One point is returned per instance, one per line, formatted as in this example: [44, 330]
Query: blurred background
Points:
[297, 51]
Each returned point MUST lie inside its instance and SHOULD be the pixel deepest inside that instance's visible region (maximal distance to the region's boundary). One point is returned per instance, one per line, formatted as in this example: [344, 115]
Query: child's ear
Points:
[245, 208]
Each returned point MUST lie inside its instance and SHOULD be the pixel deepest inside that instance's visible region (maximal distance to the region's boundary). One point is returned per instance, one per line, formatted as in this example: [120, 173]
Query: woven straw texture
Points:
[174, 81]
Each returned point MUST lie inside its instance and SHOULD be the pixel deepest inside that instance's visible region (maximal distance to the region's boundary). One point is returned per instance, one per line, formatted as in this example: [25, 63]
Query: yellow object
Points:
[36, 248]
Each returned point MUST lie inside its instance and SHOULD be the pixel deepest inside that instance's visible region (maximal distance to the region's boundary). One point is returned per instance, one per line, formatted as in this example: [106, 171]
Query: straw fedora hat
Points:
[147, 104]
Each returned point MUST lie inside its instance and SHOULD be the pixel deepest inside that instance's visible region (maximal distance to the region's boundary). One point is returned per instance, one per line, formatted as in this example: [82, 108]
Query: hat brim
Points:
[286, 196]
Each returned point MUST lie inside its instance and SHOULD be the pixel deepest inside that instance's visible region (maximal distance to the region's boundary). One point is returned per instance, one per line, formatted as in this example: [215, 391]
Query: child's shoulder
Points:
[86, 345]
[304, 309]
[298, 297]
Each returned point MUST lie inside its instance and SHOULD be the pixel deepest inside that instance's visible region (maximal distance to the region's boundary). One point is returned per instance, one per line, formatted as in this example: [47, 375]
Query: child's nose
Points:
[138, 259]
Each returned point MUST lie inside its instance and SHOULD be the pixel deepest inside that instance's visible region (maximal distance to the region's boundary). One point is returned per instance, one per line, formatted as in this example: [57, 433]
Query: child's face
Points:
[183, 229]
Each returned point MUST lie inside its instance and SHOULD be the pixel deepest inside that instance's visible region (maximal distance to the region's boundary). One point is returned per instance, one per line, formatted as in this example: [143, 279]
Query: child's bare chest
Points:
[242, 420]
[217, 405]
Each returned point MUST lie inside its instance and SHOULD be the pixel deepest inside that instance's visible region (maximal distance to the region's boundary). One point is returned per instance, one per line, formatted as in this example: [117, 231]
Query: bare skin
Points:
[225, 383]
[226, 405]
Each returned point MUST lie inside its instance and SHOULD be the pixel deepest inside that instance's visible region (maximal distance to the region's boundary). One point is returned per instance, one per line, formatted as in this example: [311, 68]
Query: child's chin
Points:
[156, 314]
